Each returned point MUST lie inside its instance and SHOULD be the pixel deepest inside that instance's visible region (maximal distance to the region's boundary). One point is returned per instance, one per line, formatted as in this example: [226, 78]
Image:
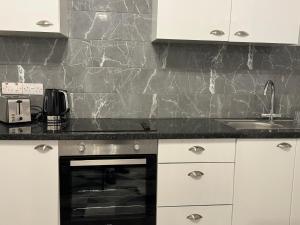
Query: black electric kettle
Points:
[55, 105]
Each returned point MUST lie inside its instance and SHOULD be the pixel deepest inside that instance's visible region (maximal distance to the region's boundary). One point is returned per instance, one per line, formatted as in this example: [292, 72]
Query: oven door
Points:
[114, 190]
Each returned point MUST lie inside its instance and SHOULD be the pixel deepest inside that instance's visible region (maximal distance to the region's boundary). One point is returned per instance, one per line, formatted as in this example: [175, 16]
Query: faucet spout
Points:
[272, 86]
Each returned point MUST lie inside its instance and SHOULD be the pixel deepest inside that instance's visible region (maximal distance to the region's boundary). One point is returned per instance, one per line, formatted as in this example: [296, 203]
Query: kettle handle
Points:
[66, 100]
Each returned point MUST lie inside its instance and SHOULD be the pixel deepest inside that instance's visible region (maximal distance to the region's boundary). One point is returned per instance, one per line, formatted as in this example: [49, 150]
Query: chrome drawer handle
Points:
[43, 148]
[194, 217]
[241, 34]
[44, 23]
[284, 146]
[195, 174]
[197, 149]
[217, 32]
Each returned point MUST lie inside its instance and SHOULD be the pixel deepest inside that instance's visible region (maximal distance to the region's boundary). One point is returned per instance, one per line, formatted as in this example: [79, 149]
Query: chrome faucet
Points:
[270, 115]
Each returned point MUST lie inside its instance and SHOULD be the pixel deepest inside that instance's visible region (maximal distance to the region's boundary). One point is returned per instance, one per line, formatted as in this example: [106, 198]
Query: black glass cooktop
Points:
[82, 125]
[107, 125]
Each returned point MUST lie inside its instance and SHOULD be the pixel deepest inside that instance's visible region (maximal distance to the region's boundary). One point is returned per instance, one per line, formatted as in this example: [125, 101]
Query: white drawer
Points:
[200, 150]
[176, 187]
[210, 215]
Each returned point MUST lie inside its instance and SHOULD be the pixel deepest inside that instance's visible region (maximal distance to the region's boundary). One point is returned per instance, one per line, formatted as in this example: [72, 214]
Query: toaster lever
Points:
[19, 106]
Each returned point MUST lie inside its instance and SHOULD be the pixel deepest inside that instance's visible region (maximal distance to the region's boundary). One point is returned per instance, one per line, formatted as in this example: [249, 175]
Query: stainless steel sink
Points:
[247, 124]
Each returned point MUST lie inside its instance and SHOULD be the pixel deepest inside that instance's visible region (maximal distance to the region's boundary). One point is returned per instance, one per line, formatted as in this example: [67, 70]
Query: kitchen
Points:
[158, 112]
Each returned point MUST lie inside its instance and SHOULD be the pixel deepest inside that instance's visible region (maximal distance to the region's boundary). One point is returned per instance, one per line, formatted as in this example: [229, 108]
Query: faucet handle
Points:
[273, 115]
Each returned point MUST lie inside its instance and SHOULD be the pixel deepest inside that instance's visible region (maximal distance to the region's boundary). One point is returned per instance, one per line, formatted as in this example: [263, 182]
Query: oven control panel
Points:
[107, 147]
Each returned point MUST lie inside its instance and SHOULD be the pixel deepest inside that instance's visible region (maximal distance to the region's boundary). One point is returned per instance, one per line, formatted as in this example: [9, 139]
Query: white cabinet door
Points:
[191, 20]
[263, 182]
[29, 184]
[207, 215]
[295, 216]
[265, 21]
[196, 150]
[213, 185]
[33, 17]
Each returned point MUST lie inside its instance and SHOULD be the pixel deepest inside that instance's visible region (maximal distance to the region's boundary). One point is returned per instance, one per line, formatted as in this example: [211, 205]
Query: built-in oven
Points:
[108, 182]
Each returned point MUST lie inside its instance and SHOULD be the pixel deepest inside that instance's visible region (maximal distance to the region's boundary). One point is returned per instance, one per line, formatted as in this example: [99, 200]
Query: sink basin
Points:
[253, 125]
[246, 124]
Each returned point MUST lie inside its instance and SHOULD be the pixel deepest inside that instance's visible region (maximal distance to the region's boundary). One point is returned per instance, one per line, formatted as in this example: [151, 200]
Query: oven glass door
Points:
[108, 190]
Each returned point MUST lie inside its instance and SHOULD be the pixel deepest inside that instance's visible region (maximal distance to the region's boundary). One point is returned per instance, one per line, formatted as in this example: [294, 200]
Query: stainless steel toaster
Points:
[14, 110]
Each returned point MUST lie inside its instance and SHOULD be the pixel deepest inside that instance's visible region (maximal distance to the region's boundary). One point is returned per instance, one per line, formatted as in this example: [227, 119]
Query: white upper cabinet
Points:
[34, 18]
[29, 183]
[265, 21]
[263, 182]
[191, 20]
[254, 21]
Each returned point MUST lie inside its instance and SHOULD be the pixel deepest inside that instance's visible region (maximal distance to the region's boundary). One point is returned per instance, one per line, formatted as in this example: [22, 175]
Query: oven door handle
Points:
[108, 162]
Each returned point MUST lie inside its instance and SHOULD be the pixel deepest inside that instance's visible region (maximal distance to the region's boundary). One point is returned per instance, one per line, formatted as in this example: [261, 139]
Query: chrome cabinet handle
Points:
[43, 148]
[195, 174]
[217, 32]
[44, 23]
[82, 147]
[108, 162]
[194, 217]
[197, 149]
[241, 34]
[284, 146]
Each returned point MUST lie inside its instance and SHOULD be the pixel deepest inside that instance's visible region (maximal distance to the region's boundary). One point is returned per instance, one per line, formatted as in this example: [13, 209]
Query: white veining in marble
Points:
[21, 74]
[212, 81]
[250, 57]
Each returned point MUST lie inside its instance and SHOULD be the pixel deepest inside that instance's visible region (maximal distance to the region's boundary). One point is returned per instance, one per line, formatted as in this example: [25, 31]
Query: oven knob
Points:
[136, 147]
[82, 147]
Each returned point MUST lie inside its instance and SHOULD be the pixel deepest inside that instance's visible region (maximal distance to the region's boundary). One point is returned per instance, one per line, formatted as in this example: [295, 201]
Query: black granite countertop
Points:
[93, 129]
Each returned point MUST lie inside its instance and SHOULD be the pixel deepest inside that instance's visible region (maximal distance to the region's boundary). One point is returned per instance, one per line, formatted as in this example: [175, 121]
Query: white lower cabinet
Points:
[192, 151]
[204, 215]
[29, 190]
[207, 182]
[263, 181]
[195, 182]
[295, 215]
[214, 185]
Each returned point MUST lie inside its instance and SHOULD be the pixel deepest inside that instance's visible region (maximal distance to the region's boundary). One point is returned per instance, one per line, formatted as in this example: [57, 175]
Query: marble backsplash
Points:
[112, 70]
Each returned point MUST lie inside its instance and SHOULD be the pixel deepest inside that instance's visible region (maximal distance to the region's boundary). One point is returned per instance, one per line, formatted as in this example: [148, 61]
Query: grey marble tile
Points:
[191, 56]
[185, 106]
[74, 78]
[89, 25]
[122, 54]
[78, 53]
[143, 55]
[137, 27]
[100, 80]
[103, 5]
[8, 73]
[138, 106]
[288, 105]
[109, 105]
[213, 106]
[245, 105]
[82, 5]
[110, 54]
[32, 51]
[124, 6]
[93, 105]
[103, 53]
[142, 6]
[131, 81]
[165, 82]
[49, 76]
